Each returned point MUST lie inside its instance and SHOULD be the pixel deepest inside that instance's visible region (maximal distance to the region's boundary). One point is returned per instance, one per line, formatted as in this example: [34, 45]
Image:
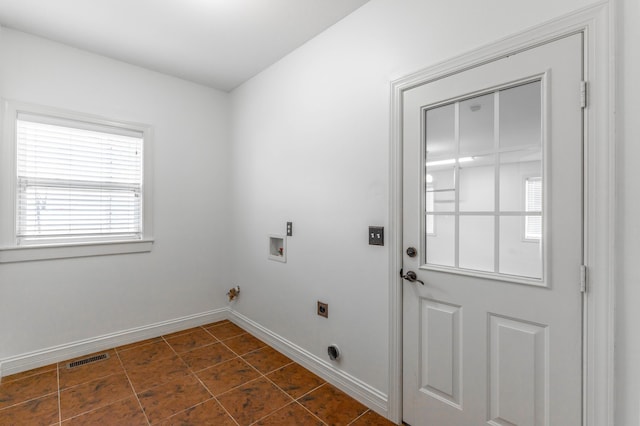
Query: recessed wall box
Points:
[278, 248]
[323, 309]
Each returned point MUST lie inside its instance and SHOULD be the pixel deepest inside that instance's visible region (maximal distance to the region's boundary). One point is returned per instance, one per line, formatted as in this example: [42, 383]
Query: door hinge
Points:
[583, 94]
[583, 279]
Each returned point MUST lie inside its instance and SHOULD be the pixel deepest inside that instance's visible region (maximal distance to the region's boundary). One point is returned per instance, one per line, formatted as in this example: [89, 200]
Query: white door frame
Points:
[596, 23]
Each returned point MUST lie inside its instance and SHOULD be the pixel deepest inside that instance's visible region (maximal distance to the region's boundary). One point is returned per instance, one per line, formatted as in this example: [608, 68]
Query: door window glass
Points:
[484, 183]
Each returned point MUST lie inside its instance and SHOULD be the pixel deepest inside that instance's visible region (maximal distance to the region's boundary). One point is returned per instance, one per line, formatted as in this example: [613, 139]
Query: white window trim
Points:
[9, 250]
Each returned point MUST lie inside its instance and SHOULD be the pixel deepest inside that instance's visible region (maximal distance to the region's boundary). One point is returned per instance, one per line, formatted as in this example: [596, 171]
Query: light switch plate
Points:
[376, 236]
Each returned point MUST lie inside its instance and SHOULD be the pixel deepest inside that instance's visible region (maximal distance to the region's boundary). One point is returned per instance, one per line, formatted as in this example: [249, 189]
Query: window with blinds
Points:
[533, 203]
[77, 181]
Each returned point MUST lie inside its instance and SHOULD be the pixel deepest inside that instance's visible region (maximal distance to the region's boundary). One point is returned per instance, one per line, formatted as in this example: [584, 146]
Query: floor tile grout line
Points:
[57, 390]
[318, 387]
[5, 380]
[225, 345]
[96, 408]
[279, 368]
[164, 337]
[213, 396]
[311, 412]
[118, 351]
[273, 349]
[211, 334]
[259, 372]
[28, 400]
[182, 332]
[234, 337]
[227, 411]
[358, 417]
[254, 351]
[133, 390]
[278, 387]
[301, 366]
[304, 394]
[312, 390]
[262, 376]
[91, 380]
[216, 324]
[171, 347]
[236, 387]
[192, 349]
[209, 390]
[277, 409]
[155, 385]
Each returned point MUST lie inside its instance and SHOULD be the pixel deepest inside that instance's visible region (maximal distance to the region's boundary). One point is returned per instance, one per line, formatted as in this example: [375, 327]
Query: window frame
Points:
[497, 150]
[10, 251]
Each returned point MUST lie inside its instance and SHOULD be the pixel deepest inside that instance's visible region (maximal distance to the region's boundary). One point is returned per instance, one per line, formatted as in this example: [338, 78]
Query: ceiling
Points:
[219, 43]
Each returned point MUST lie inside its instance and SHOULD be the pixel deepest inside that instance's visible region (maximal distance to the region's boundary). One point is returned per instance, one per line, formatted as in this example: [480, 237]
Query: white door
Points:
[492, 206]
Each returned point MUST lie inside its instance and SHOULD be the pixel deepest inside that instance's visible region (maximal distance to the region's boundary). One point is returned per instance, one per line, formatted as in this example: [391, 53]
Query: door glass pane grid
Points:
[477, 186]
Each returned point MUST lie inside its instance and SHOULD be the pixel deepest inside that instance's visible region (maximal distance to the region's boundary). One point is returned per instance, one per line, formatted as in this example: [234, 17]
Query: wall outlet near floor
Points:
[323, 309]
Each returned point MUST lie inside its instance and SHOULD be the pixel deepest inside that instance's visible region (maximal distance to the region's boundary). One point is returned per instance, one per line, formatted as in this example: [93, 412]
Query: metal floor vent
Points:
[89, 360]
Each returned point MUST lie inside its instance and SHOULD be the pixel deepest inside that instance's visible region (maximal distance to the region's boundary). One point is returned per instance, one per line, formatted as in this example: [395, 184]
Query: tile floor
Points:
[216, 374]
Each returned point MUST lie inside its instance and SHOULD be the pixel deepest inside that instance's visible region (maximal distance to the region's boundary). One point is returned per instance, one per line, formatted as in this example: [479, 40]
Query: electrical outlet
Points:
[289, 229]
[323, 309]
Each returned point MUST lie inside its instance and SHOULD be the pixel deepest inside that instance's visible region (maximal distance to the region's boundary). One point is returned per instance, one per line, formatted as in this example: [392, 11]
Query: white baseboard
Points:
[35, 359]
[357, 389]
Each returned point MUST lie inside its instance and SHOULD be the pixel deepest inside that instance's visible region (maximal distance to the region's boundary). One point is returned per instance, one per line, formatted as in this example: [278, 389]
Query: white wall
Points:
[628, 246]
[310, 145]
[48, 303]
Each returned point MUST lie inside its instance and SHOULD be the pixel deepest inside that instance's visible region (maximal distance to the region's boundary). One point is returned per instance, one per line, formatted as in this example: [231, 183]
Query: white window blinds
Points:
[77, 181]
[533, 203]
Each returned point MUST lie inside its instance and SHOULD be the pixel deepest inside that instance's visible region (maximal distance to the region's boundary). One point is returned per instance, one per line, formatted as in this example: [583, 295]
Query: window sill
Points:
[66, 251]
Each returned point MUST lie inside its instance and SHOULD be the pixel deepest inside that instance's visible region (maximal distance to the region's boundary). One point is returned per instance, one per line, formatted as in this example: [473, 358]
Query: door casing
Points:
[595, 23]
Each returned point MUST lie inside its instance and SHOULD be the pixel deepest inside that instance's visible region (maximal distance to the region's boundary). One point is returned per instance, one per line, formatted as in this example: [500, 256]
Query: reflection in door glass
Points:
[520, 113]
[476, 125]
[515, 168]
[477, 185]
[483, 186]
[518, 256]
[441, 188]
[476, 243]
[441, 243]
[440, 134]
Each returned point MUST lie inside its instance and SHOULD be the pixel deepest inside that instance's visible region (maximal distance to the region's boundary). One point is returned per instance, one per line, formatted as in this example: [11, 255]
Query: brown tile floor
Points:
[216, 374]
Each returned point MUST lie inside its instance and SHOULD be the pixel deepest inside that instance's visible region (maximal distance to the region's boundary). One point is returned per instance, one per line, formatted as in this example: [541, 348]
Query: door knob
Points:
[411, 276]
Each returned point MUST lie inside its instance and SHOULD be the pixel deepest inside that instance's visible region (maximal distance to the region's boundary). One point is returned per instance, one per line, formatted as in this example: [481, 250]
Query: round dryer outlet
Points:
[334, 352]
